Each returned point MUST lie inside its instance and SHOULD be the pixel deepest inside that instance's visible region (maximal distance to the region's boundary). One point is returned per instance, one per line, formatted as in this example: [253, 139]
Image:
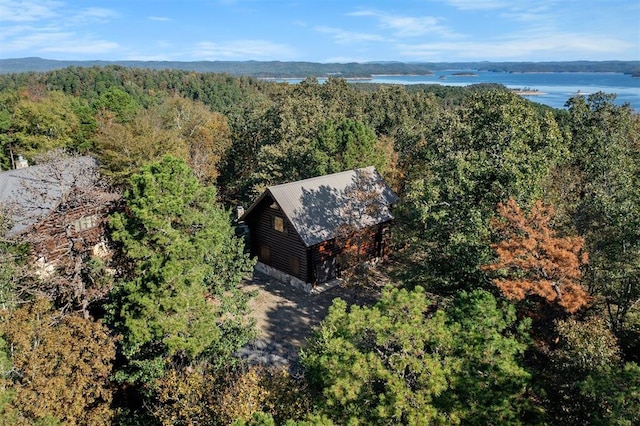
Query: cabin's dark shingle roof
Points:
[318, 208]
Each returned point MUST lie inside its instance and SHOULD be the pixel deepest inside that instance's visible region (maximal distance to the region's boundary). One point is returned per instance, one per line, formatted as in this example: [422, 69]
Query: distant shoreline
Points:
[289, 69]
[365, 78]
[401, 75]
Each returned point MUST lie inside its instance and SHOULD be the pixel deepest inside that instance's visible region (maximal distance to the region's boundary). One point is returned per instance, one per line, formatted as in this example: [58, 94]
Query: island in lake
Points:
[527, 91]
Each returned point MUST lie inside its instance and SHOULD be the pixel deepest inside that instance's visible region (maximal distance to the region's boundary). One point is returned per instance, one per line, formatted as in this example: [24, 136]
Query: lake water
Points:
[553, 89]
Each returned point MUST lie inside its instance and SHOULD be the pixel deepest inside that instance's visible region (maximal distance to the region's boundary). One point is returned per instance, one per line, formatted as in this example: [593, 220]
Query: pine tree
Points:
[399, 363]
[178, 300]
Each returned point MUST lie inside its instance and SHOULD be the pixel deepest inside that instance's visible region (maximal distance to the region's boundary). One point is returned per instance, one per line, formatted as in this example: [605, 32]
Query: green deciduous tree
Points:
[206, 134]
[124, 147]
[230, 396]
[178, 300]
[8, 101]
[43, 122]
[398, 362]
[178, 127]
[338, 146]
[605, 145]
[250, 131]
[292, 150]
[494, 147]
[119, 102]
[13, 273]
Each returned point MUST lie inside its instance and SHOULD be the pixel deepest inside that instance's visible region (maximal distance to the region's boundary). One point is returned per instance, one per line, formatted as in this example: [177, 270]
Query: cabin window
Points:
[85, 223]
[278, 224]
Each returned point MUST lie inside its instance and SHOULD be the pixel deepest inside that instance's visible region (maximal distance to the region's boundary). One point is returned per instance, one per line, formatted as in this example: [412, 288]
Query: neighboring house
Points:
[302, 232]
[60, 209]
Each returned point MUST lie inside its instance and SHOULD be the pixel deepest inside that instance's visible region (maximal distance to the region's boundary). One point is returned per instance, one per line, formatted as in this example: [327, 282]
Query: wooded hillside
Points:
[515, 266]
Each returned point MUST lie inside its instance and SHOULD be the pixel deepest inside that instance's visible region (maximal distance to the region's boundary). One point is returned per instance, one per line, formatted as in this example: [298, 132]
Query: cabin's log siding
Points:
[282, 245]
[313, 262]
[75, 231]
[56, 236]
[59, 236]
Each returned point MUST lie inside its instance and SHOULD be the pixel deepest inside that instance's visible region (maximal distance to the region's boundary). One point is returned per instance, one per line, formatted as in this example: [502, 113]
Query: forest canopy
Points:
[511, 291]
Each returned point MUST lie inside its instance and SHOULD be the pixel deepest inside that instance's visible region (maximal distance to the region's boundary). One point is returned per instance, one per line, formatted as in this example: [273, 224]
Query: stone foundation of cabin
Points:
[285, 278]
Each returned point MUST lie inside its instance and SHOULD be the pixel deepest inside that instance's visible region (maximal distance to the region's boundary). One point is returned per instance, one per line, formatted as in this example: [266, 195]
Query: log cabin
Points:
[306, 233]
[60, 209]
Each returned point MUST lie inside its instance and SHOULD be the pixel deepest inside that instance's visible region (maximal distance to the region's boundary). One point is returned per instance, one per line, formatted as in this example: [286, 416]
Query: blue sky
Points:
[322, 31]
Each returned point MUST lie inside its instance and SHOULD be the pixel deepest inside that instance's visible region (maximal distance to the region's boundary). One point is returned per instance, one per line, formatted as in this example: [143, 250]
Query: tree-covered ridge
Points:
[298, 69]
[498, 312]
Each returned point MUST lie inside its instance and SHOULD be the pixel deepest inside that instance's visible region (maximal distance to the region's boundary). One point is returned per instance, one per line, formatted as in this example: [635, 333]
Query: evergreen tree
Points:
[345, 145]
[396, 363]
[178, 300]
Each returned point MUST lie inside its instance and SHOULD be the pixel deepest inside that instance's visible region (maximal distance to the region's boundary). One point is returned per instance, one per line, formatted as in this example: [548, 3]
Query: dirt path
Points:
[285, 316]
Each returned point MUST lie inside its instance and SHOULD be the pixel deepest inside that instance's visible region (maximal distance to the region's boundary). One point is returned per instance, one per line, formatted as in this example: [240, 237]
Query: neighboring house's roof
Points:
[31, 193]
[319, 208]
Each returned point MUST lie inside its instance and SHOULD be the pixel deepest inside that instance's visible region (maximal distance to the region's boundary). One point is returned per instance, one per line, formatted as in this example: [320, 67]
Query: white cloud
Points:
[58, 42]
[34, 40]
[346, 59]
[479, 4]
[409, 26]
[46, 10]
[242, 49]
[406, 26]
[7, 32]
[74, 46]
[51, 27]
[95, 14]
[143, 57]
[519, 10]
[341, 36]
[524, 47]
[27, 10]
[159, 18]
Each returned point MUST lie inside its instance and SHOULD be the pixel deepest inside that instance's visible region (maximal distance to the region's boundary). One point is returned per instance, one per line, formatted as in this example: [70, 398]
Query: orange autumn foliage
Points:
[534, 260]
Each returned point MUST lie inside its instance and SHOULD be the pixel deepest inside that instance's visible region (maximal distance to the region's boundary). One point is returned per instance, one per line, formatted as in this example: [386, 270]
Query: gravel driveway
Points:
[285, 317]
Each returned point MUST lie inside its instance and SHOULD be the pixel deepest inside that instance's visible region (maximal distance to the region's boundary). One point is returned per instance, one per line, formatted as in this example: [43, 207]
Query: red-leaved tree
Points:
[532, 260]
